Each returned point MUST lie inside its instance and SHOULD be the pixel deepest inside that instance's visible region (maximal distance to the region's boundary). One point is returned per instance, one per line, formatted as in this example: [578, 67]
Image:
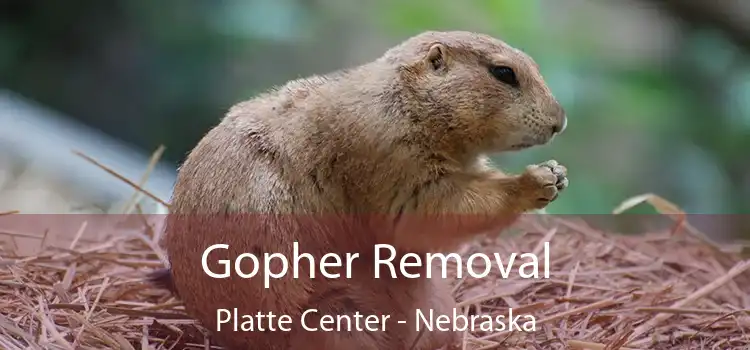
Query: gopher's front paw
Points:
[542, 183]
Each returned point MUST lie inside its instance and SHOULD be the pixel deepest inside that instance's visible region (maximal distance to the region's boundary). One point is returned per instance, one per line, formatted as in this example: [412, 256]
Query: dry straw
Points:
[658, 290]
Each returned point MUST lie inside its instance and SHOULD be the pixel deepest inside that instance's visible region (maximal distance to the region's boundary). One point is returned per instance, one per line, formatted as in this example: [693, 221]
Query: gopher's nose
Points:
[560, 127]
[561, 121]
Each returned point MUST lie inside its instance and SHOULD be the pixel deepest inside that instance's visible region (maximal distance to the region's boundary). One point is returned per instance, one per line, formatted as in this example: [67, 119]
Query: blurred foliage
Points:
[163, 72]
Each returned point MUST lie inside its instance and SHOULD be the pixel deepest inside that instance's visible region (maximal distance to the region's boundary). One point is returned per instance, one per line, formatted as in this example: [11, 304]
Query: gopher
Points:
[394, 151]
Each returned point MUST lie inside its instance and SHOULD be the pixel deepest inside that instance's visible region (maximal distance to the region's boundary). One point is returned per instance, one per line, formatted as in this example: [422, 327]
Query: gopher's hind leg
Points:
[376, 314]
[342, 317]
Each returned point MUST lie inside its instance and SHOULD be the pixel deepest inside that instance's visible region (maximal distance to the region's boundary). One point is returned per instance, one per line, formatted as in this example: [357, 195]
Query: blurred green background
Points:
[657, 92]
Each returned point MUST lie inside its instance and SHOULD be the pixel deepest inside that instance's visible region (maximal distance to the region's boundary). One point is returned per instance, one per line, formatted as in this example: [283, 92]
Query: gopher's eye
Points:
[504, 74]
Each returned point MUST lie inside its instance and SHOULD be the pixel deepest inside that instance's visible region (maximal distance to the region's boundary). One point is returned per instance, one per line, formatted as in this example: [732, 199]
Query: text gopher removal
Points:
[477, 265]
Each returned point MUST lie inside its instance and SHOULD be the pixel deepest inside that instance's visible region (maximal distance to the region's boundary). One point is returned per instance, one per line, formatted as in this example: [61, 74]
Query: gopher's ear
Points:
[437, 56]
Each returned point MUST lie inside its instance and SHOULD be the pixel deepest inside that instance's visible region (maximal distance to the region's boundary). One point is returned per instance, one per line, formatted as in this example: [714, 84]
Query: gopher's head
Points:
[477, 90]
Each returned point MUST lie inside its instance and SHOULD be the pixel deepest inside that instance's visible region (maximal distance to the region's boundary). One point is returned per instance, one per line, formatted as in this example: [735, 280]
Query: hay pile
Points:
[655, 291]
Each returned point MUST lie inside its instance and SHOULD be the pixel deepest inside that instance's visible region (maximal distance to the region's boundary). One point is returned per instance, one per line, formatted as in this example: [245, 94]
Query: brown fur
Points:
[405, 137]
